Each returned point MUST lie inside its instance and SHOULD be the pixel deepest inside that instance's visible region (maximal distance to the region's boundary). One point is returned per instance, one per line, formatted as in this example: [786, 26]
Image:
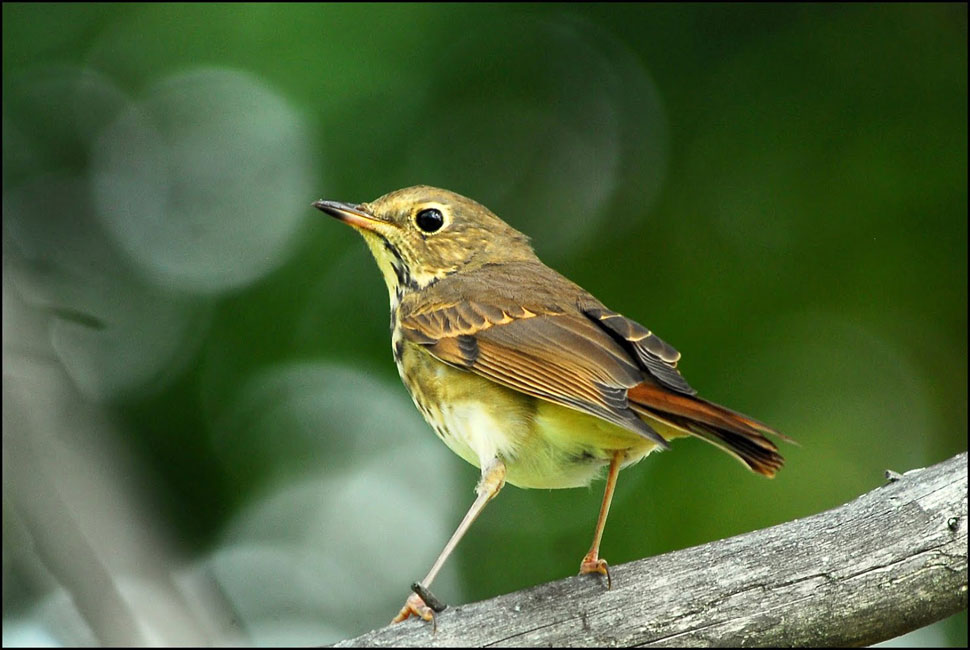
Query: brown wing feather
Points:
[656, 356]
[544, 352]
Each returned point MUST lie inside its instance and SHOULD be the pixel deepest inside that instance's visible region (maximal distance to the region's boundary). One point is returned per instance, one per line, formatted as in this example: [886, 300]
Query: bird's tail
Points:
[741, 436]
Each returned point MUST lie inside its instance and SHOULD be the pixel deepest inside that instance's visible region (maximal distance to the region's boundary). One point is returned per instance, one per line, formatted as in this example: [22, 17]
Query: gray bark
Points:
[891, 561]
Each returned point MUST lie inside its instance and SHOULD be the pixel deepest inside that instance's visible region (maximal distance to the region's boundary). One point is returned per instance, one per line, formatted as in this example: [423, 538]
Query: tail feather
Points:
[741, 436]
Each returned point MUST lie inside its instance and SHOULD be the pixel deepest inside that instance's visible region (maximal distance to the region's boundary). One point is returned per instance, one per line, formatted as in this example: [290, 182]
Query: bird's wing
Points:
[655, 355]
[582, 359]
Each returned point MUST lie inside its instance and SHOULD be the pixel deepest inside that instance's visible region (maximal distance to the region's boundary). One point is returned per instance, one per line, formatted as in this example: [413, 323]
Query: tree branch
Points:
[891, 561]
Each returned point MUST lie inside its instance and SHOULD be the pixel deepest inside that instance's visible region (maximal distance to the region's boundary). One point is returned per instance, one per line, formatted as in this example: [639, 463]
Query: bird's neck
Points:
[399, 277]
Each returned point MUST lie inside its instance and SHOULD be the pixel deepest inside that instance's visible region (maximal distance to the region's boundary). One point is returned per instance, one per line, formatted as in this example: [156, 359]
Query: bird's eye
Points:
[429, 220]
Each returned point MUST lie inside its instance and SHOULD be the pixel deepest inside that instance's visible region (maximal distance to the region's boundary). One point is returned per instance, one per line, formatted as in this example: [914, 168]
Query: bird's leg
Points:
[592, 563]
[493, 478]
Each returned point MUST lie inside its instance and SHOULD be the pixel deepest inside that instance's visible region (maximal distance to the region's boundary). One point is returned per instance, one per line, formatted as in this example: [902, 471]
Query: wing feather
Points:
[545, 352]
[657, 356]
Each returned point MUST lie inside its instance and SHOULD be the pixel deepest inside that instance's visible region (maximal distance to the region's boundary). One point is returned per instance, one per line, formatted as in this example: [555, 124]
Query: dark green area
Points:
[786, 204]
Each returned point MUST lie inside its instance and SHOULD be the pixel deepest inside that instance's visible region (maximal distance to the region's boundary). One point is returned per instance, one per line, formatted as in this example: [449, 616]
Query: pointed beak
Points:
[353, 215]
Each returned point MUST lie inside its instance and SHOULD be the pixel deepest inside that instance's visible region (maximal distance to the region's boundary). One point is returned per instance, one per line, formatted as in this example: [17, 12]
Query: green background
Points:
[780, 192]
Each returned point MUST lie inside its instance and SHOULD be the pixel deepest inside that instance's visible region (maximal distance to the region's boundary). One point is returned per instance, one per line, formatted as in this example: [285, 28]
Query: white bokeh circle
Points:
[205, 182]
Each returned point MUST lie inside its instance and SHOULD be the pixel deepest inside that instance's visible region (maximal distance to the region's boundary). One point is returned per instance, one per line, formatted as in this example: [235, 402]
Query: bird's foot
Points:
[414, 606]
[423, 604]
[592, 563]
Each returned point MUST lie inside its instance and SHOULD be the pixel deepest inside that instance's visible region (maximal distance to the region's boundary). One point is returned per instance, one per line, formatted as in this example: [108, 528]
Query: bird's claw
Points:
[594, 564]
[414, 606]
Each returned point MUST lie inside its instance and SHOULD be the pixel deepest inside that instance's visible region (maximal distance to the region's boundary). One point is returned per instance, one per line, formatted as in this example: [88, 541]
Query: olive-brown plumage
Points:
[520, 371]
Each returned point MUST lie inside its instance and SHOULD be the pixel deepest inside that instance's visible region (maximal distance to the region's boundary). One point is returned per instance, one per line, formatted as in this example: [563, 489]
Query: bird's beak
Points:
[353, 215]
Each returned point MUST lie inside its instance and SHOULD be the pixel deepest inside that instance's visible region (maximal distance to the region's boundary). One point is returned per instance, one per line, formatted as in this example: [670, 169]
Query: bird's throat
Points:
[396, 273]
[399, 276]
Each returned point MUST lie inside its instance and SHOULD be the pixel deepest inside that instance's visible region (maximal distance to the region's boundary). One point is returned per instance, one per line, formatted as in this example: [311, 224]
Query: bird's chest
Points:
[478, 419]
[543, 445]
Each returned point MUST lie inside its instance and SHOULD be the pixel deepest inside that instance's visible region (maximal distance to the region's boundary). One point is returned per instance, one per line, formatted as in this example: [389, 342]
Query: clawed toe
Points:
[414, 606]
[593, 564]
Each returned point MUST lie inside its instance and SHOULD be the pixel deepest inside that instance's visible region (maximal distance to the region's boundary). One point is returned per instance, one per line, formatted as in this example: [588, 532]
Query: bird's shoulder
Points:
[513, 285]
[491, 295]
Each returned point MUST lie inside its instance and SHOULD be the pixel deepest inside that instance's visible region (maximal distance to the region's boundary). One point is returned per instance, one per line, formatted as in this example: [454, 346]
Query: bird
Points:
[520, 371]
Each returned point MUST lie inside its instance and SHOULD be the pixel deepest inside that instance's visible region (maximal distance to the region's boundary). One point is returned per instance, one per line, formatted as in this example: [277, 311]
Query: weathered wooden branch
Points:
[891, 561]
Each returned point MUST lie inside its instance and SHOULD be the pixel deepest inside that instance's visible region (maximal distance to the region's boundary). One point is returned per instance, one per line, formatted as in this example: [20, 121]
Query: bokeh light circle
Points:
[205, 182]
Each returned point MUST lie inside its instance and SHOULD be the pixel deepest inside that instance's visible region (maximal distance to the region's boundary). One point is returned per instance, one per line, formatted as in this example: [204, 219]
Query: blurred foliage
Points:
[778, 191]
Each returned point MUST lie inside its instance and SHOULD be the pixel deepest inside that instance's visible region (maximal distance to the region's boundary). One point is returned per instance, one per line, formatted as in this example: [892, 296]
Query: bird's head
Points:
[421, 234]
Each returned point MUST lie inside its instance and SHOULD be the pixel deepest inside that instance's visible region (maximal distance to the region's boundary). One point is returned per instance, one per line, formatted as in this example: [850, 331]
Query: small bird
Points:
[520, 371]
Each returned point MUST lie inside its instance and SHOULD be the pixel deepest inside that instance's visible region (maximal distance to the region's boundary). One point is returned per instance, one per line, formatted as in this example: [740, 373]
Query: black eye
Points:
[429, 220]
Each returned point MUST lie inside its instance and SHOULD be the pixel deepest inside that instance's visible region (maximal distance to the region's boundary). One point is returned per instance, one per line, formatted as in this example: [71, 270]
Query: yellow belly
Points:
[543, 445]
